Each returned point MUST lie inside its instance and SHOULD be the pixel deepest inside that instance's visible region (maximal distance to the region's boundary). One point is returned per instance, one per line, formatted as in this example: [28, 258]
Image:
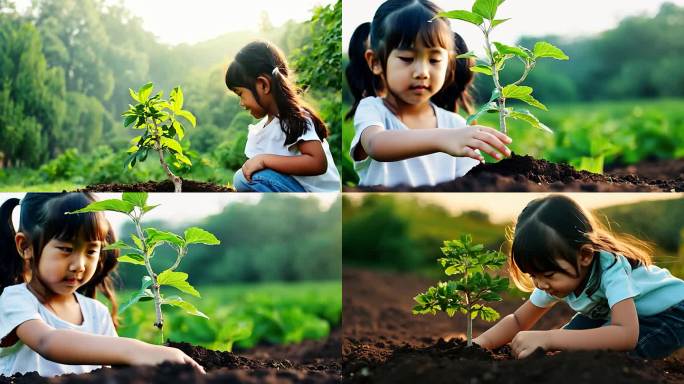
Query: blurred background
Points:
[619, 100]
[409, 229]
[275, 278]
[66, 67]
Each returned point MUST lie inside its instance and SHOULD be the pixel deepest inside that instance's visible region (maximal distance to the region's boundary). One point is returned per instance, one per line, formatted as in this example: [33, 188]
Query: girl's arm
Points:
[384, 145]
[74, 347]
[621, 335]
[524, 318]
[311, 162]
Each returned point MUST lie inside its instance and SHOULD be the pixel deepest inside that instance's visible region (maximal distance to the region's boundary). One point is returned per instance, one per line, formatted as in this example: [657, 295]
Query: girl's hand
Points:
[464, 142]
[253, 165]
[526, 342]
[157, 354]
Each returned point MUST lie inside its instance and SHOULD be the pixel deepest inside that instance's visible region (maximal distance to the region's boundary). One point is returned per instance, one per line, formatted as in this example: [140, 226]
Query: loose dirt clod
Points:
[384, 343]
[527, 174]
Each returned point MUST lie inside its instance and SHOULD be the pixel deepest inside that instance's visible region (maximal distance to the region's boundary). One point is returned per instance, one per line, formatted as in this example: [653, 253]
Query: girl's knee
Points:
[240, 183]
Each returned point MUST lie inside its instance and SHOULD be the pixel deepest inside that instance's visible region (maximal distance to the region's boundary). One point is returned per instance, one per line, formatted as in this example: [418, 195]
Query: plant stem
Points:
[501, 100]
[469, 330]
[177, 183]
[159, 320]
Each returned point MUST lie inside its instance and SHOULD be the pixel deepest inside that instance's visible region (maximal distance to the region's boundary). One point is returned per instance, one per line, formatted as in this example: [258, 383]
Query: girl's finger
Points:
[483, 146]
[469, 152]
[500, 135]
[191, 361]
[494, 141]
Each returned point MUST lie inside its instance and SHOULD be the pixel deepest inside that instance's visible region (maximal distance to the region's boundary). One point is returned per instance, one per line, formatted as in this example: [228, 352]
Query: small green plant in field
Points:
[142, 250]
[158, 118]
[483, 15]
[472, 286]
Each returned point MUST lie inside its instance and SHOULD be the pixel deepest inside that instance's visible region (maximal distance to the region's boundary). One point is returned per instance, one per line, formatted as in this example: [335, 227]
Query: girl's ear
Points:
[372, 62]
[263, 85]
[586, 255]
[23, 246]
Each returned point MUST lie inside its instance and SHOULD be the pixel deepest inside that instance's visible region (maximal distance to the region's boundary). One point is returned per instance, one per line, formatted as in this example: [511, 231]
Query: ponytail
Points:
[359, 76]
[11, 262]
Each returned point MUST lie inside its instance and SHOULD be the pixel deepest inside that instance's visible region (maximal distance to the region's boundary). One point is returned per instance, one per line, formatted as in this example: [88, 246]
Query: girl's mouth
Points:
[71, 282]
[419, 88]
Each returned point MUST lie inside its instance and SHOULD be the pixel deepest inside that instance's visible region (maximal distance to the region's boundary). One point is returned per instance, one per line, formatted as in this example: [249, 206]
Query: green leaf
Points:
[150, 207]
[467, 55]
[591, 164]
[544, 49]
[182, 158]
[134, 95]
[144, 92]
[133, 149]
[132, 258]
[119, 244]
[195, 235]
[467, 16]
[522, 93]
[480, 68]
[487, 107]
[144, 292]
[171, 144]
[129, 120]
[177, 280]
[488, 314]
[497, 22]
[155, 236]
[184, 305]
[180, 131]
[107, 205]
[528, 117]
[137, 241]
[177, 99]
[486, 8]
[139, 199]
[509, 50]
[187, 116]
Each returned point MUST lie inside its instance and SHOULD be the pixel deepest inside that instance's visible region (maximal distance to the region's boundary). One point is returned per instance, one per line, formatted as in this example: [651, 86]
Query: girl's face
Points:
[415, 75]
[248, 102]
[65, 266]
[560, 284]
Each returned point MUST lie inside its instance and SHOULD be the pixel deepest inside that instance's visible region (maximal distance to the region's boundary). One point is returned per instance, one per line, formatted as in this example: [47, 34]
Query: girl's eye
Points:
[435, 61]
[548, 275]
[65, 249]
[406, 59]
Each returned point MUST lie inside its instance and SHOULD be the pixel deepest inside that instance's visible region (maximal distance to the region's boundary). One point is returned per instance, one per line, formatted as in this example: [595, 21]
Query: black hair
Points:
[262, 58]
[41, 219]
[397, 24]
[556, 227]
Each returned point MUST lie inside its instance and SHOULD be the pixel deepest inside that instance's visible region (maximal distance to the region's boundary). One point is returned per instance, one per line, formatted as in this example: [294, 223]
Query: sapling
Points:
[472, 286]
[144, 244]
[483, 15]
[158, 118]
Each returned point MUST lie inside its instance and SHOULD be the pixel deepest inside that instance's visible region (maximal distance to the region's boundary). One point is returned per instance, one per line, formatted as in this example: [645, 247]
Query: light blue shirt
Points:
[653, 289]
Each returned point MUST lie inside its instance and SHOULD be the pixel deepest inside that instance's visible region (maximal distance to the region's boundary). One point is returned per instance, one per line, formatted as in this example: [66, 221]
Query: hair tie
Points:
[275, 71]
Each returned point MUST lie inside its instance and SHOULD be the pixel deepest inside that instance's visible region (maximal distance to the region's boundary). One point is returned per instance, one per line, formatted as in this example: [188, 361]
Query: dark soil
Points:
[158, 186]
[527, 174]
[311, 362]
[384, 343]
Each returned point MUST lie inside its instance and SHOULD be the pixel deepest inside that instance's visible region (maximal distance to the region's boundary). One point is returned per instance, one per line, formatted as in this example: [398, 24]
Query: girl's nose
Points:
[77, 263]
[420, 70]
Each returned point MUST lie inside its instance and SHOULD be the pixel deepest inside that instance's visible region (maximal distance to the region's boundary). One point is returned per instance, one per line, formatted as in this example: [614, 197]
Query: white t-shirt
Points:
[270, 139]
[18, 305]
[429, 169]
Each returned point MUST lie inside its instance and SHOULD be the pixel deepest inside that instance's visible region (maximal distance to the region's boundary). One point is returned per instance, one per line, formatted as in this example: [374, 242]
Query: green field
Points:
[608, 132]
[245, 315]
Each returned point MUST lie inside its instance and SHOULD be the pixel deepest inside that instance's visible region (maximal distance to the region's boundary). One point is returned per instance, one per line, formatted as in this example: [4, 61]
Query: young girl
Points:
[286, 150]
[50, 270]
[407, 86]
[623, 303]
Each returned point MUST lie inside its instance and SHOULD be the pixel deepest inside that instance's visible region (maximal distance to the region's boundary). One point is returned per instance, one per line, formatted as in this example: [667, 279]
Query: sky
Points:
[182, 21]
[529, 17]
[504, 207]
[183, 208]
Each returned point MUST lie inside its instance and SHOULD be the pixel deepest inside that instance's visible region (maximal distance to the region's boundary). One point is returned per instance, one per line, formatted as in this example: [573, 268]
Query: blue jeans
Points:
[659, 335]
[266, 180]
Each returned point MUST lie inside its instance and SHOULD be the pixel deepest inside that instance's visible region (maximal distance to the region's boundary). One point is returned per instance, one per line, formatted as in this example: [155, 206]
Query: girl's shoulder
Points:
[448, 118]
[91, 305]
[16, 293]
